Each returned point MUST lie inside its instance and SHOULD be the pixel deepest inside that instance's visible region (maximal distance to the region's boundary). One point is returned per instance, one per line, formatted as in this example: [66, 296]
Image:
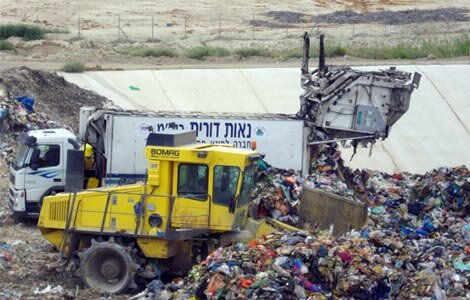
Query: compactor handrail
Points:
[67, 223]
[105, 212]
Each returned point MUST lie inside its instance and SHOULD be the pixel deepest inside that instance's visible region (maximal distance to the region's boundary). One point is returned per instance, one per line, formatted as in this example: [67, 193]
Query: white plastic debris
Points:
[49, 290]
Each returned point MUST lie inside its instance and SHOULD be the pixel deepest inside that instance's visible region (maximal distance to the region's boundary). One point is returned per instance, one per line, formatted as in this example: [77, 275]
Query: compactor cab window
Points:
[49, 156]
[247, 185]
[193, 181]
[225, 184]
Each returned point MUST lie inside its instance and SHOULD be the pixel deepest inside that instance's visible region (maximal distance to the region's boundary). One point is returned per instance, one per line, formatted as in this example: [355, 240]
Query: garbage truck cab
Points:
[38, 169]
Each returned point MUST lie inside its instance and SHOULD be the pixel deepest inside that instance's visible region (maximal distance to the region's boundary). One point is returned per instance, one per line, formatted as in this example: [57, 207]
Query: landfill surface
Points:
[30, 267]
[415, 245]
[32, 99]
[61, 100]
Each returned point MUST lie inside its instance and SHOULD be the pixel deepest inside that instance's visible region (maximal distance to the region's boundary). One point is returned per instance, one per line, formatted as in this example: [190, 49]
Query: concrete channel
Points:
[434, 133]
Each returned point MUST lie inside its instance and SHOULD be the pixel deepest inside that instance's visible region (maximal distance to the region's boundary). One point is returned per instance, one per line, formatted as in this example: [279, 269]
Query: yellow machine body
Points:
[165, 212]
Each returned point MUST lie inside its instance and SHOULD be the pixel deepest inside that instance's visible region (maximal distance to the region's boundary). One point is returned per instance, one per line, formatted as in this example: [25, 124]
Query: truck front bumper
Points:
[17, 200]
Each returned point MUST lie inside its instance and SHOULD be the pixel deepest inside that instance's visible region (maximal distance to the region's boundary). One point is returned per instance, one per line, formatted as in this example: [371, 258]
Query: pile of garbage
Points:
[416, 244]
[278, 192]
[277, 195]
[16, 116]
[31, 99]
[329, 173]
[61, 100]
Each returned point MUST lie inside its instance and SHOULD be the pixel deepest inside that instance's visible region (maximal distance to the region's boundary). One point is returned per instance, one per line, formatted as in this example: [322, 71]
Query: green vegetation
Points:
[247, 52]
[331, 50]
[201, 52]
[292, 53]
[27, 32]
[439, 49]
[6, 46]
[56, 30]
[220, 52]
[152, 52]
[73, 67]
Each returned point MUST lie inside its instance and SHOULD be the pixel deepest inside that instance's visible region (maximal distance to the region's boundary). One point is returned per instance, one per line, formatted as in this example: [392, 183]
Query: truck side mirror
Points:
[34, 162]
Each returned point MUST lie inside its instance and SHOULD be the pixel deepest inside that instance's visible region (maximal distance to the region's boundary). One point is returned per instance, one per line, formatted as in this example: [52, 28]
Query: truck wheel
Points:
[107, 267]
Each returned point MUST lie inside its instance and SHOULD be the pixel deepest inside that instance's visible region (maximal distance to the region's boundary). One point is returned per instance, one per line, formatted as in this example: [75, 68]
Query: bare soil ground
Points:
[29, 265]
[184, 24]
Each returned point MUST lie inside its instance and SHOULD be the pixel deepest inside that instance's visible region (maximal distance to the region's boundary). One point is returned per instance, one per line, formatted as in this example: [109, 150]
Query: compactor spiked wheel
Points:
[107, 267]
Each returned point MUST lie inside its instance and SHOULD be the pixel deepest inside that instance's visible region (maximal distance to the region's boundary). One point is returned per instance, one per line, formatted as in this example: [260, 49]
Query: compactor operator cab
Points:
[210, 184]
[194, 195]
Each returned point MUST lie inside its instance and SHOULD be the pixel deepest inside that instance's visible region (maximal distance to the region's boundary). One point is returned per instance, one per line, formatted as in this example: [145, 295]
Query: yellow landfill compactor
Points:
[195, 198]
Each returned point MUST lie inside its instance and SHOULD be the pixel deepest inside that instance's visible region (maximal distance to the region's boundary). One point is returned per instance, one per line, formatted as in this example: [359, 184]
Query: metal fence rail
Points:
[182, 26]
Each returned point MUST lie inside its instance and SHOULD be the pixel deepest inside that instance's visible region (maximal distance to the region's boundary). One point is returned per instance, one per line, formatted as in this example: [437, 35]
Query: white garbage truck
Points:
[339, 104]
[43, 160]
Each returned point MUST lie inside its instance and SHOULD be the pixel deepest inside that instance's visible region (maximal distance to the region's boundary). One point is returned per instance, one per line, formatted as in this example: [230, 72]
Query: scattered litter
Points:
[28, 264]
[49, 290]
[59, 99]
[4, 246]
[27, 102]
[413, 246]
[17, 242]
[416, 243]
[16, 119]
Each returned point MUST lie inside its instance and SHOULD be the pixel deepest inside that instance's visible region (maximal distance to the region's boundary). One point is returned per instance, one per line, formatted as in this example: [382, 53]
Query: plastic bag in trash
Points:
[27, 102]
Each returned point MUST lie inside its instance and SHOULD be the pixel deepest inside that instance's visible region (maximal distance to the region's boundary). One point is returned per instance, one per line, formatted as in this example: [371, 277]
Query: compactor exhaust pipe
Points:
[321, 57]
[306, 54]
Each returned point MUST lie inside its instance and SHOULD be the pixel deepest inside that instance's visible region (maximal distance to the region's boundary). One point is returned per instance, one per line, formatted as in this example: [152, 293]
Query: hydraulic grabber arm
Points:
[341, 103]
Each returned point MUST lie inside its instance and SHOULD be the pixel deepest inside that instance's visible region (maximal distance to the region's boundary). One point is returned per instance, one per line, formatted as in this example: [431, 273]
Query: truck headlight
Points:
[155, 220]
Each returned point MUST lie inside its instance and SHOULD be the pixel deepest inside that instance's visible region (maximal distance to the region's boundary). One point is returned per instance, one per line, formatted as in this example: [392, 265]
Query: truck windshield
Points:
[247, 185]
[21, 156]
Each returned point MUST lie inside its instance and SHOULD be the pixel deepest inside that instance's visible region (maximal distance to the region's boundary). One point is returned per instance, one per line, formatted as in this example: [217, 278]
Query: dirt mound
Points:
[280, 19]
[54, 96]
[396, 17]
[287, 16]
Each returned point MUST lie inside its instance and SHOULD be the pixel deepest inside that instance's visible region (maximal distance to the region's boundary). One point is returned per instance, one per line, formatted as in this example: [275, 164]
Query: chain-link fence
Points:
[125, 28]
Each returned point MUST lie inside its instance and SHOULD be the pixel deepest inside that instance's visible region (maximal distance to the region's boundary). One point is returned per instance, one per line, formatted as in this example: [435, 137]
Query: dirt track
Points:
[98, 45]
